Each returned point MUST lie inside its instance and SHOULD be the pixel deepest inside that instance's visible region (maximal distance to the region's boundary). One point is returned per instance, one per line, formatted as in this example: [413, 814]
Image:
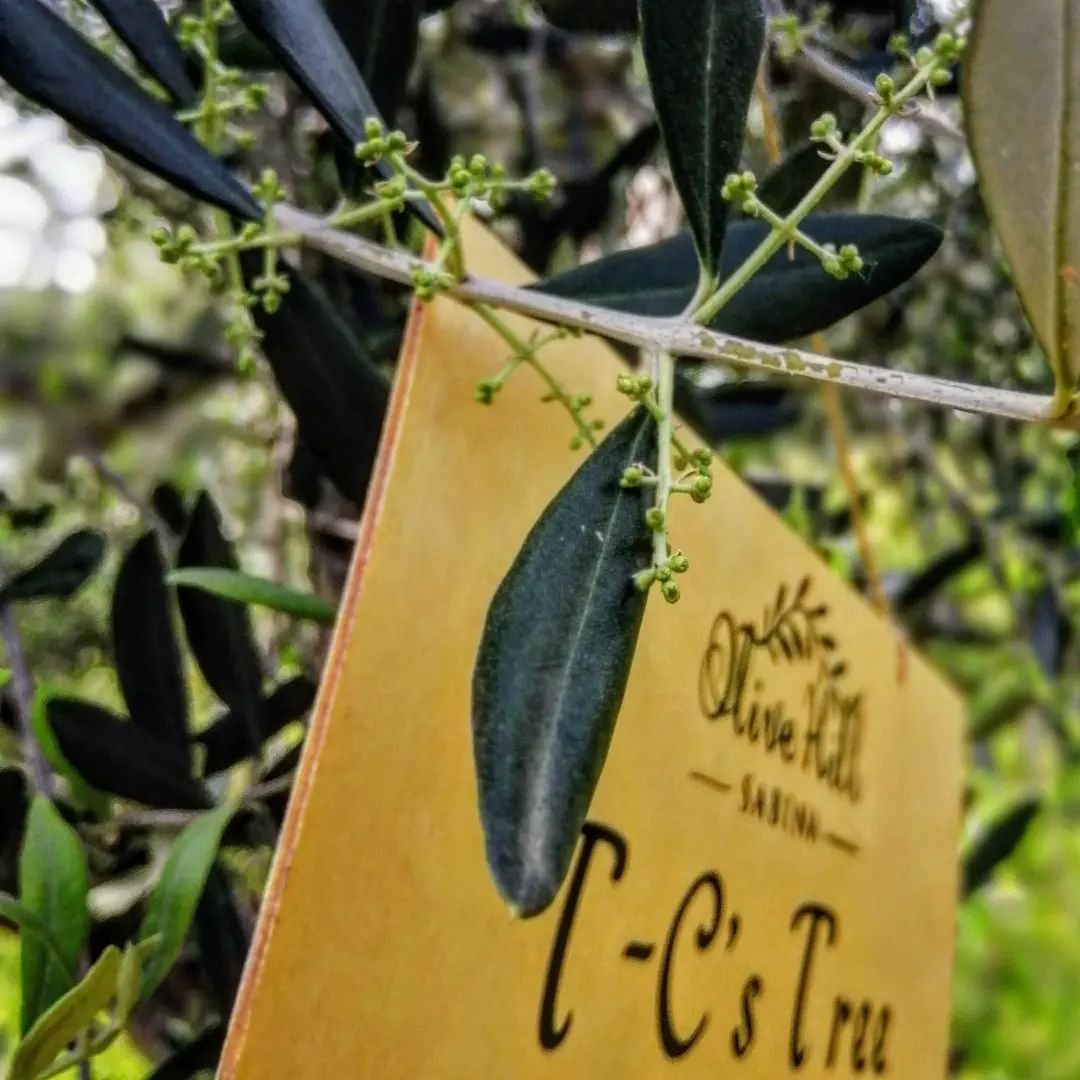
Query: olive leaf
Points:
[147, 655]
[68, 1018]
[336, 392]
[552, 668]
[256, 592]
[60, 573]
[53, 886]
[141, 26]
[382, 38]
[119, 757]
[300, 34]
[225, 741]
[792, 296]
[702, 58]
[83, 794]
[1021, 121]
[219, 631]
[46, 61]
[1000, 841]
[172, 904]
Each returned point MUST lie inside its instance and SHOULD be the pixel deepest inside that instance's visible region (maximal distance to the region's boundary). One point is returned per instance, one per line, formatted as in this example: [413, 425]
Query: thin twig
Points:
[679, 336]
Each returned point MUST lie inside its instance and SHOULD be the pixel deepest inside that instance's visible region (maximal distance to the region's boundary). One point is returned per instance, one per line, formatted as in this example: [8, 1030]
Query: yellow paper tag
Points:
[766, 886]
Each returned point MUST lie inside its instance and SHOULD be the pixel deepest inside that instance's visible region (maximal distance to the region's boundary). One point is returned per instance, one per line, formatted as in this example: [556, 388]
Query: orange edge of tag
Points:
[283, 857]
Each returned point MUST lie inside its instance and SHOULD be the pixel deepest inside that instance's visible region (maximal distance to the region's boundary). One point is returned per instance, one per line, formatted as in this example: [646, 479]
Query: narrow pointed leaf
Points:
[999, 843]
[147, 655]
[553, 665]
[931, 580]
[172, 904]
[116, 756]
[790, 298]
[68, 1018]
[702, 57]
[32, 925]
[219, 631]
[141, 26]
[53, 887]
[305, 41]
[60, 573]
[85, 796]
[1022, 106]
[382, 37]
[223, 941]
[337, 394]
[783, 187]
[225, 742]
[45, 60]
[256, 592]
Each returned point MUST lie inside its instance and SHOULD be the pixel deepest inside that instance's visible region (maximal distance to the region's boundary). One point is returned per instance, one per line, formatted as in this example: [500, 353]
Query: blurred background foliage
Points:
[115, 381]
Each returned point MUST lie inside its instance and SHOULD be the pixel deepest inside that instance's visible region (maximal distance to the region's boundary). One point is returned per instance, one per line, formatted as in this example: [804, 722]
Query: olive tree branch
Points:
[682, 337]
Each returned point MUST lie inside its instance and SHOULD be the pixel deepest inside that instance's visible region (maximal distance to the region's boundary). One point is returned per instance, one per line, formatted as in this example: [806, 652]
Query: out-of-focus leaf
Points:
[53, 886]
[381, 36]
[172, 904]
[121, 758]
[45, 60]
[305, 41]
[225, 742]
[223, 941]
[702, 57]
[1051, 632]
[199, 1054]
[25, 518]
[592, 16]
[31, 925]
[244, 588]
[85, 795]
[736, 411]
[553, 665]
[991, 713]
[60, 573]
[998, 844]
[783, 188]
[141, 25]
[790, 298]
[337, 394]
[169, 505]
[68, 1018]
[937, 575]
[1021, 120]
[147, 656]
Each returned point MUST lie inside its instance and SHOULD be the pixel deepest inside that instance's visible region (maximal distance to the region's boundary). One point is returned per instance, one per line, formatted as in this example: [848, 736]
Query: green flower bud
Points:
[670, 589]
[654, 518]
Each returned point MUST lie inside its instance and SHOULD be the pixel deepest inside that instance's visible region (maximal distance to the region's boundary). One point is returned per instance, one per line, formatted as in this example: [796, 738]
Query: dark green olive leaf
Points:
[702, 57]
[60, 573]
[223, 941]
[737, 410]
[219, 631]
[382, 37]
[141, 26]
[147, 655]
[592, 16]
[256, 592]
[170, 507]
[928, 582]
[783, 187]
[82, 794]
[1000, 841]
[791, 297]
[53, 887]
[172, 904]
[116, 756]
[305, 41]
[225, 742]
[31, 925]
[45, 60]
[202, 1053]
[552, 668]
[337, 394]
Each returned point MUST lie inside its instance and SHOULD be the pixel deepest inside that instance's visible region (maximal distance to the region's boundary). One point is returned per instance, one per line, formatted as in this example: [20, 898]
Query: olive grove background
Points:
[120, 402]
